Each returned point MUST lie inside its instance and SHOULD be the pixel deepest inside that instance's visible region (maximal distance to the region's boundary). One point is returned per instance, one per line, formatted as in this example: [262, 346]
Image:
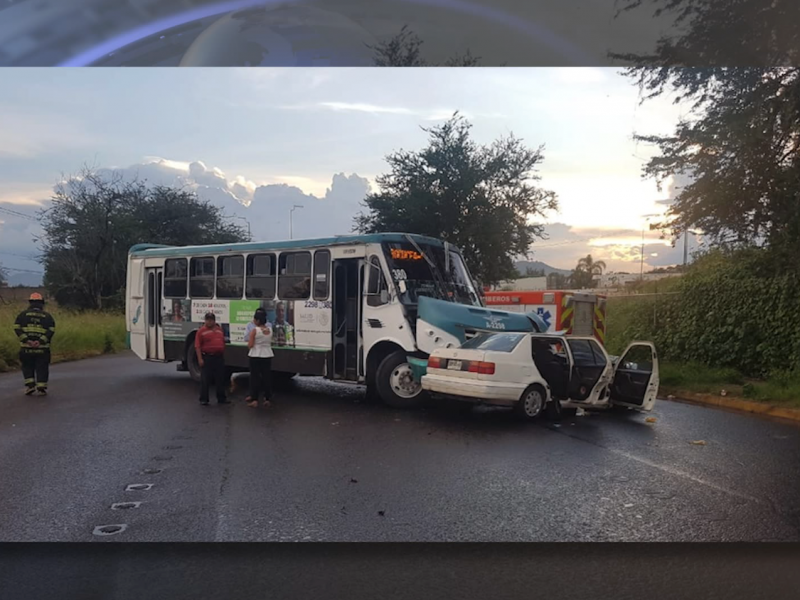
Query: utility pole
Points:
[291, 220]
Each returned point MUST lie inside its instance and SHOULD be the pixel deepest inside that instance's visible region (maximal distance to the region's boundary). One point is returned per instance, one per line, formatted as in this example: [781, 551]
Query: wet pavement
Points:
[122, 448]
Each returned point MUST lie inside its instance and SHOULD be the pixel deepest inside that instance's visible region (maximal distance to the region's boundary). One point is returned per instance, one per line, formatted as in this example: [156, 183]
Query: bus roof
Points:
[339, 240]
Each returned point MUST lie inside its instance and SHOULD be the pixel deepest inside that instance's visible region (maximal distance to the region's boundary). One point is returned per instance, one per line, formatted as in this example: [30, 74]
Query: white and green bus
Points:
[359, 308]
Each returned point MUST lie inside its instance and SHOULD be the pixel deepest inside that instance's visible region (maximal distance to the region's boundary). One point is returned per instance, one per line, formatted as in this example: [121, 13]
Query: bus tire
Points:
[393, 385]
[195, 372]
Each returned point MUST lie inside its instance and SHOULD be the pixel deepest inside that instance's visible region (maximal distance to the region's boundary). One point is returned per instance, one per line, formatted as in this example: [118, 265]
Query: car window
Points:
[599, 357]
[494, 342]
[582, 352]
[638, 358]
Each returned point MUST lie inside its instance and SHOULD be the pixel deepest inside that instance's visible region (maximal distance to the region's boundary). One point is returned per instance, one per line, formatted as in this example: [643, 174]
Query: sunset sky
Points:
[257, 141]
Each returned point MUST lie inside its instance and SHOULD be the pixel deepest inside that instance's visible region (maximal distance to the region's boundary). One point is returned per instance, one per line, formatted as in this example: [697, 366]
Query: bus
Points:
[366, 309]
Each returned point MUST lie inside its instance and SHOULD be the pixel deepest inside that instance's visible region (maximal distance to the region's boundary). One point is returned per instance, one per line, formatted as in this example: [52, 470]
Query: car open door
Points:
[635, 382]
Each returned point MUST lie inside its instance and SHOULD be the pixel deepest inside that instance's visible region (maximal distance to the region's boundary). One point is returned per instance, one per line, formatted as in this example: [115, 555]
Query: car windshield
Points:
[414, 277]
[494, 342]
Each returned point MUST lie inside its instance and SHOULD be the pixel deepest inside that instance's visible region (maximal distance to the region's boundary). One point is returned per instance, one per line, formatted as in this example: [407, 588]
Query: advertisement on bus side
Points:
[300, 324]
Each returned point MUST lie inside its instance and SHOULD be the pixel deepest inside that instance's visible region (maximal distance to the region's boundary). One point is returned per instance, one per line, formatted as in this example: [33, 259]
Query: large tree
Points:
[755, 33]
[94, 220]
[3, 276]
[739, 146]
[481, 198]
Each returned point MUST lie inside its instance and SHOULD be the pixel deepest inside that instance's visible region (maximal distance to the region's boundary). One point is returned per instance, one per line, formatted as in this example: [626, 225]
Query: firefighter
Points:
[35, 328]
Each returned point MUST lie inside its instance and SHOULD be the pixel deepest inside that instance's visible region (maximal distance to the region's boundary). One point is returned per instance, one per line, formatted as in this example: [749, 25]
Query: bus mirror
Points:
[402, 285]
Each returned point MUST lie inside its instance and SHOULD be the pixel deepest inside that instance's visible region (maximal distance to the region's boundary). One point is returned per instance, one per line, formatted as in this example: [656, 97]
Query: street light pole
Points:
[291, 220]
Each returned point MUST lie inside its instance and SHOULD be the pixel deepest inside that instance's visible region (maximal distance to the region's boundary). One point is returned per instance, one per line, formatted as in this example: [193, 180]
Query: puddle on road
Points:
[105, 530]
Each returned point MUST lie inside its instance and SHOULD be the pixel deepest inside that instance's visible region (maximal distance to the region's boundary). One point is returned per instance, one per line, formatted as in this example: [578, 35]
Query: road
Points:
[323, 466]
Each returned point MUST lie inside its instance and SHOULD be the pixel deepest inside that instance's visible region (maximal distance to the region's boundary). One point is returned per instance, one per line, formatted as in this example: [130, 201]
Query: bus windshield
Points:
[414, 277]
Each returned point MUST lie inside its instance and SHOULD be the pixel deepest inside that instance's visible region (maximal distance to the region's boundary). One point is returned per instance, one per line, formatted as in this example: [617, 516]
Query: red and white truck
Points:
[567, 312]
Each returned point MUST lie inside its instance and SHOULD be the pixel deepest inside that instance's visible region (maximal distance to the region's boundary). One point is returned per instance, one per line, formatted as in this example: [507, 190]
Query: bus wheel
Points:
[395, 382]
[192, 365]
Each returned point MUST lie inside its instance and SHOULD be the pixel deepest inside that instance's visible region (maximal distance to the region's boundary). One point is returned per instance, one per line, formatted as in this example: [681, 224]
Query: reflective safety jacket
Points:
[35, 325]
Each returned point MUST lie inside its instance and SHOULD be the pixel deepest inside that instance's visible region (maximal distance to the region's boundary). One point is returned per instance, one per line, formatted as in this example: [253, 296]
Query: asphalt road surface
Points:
[323, 466]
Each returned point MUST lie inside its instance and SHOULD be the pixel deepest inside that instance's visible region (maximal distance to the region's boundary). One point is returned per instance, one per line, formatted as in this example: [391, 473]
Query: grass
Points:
[78, 335]
[779, 388]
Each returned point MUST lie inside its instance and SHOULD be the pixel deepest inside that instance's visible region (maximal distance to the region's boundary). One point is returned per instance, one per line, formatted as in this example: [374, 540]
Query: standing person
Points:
[35, 328]
[260, 343]
[209, 343]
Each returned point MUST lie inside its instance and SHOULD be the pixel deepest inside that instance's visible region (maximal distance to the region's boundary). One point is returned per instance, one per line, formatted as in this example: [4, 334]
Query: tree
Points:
[734, 32]
[480, 198]
[558, 281]
[3, 276]
[585, 271]
[531, 272]
[403, 50]
[94, 220]
[740, 145]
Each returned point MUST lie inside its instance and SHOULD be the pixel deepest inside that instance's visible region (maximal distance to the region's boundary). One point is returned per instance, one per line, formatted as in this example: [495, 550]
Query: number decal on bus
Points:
[399, 274]
[316, 304]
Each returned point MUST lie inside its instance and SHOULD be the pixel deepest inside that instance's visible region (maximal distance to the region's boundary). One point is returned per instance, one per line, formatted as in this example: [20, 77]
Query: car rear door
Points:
[553, 360]
[636, 378]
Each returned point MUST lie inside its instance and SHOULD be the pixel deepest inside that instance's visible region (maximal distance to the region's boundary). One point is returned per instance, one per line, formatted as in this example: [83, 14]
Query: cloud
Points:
[26, 134]
[620, 249]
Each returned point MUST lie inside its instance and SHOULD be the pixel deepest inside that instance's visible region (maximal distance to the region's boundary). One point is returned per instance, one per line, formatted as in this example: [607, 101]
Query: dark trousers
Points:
[35, 368]
[213, 373]
[260, 378]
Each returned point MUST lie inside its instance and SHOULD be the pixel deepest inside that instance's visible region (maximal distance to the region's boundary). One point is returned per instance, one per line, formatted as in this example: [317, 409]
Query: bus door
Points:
[348, 276]
[153, 306]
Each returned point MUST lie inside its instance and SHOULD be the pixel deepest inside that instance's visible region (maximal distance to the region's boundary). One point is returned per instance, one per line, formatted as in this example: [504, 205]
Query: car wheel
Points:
[531, 403]
[395, 382]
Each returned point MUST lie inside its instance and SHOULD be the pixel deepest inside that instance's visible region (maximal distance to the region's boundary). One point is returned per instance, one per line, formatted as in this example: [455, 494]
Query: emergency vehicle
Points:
[565, 312]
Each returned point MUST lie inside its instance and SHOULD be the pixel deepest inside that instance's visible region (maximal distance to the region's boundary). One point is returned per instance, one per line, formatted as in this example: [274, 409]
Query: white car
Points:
[535, 372]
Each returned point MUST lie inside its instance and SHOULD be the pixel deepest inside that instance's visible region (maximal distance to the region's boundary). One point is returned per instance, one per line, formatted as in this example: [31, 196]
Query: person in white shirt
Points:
[260, 343]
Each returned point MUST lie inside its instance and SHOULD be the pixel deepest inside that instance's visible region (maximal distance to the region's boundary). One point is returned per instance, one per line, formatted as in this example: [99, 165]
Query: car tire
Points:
[392, 384]
[532, 402]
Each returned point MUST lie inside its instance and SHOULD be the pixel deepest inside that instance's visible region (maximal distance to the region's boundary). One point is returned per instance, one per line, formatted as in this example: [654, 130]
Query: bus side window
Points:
[377, 289]
[261, 277]
[322, 269]
[201, 277]
[230, 277]
[294, 276]
[175, 271]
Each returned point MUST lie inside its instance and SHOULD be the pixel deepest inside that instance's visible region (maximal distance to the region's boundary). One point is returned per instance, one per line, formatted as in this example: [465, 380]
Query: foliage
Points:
[585, 271]
[480, 198]
[741, 151]
[94, 220]
[404, 50]
[558, 281]
[733, 32]
[730, 310]
[3, 276]
[78, 335]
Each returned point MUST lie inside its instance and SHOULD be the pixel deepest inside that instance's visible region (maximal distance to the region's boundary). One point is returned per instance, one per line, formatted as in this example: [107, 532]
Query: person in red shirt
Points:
[209, 343]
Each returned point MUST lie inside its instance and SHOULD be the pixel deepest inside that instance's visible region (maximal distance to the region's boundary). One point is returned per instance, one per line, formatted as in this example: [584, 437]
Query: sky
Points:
[259, 141]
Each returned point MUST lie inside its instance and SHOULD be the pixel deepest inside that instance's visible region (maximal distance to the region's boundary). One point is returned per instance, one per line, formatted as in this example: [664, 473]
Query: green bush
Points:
[731, 310]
